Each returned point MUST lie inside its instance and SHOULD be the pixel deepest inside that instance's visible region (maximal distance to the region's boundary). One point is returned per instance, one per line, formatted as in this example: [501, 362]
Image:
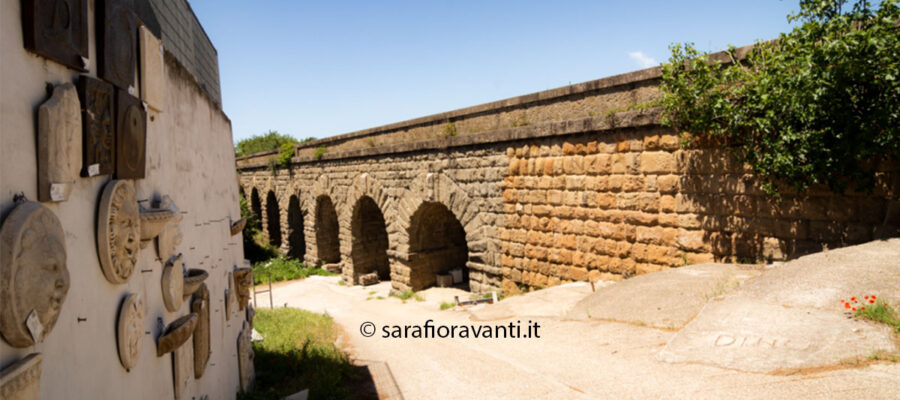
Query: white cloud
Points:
[642, 59]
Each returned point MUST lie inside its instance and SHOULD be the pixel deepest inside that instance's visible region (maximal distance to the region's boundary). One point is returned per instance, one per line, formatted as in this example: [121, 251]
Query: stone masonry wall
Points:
[591, 194]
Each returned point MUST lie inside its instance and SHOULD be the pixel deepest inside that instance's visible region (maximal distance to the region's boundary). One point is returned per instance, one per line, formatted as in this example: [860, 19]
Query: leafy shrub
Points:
[284, 269]
[320, 151]
[819, 105]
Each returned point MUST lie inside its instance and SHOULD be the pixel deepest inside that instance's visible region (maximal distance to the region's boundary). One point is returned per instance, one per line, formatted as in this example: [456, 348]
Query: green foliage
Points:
[285, 154]
[320, 151]
[880, 312]
[284, 269]
[406, 295]
[297, 353]
[256, 248]
[270, 140]
[447, 305]
[450, 129]
[819, 105]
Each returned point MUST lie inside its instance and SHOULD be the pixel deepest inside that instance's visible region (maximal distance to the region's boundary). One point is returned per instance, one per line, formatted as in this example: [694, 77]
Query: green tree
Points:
[271, 140]
[819, 105]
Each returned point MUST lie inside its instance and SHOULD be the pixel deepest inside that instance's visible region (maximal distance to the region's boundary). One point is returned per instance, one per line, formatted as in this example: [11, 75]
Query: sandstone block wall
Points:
[591, 187]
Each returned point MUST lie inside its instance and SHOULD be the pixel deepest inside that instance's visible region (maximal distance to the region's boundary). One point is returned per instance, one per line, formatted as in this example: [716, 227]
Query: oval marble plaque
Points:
[130, 330]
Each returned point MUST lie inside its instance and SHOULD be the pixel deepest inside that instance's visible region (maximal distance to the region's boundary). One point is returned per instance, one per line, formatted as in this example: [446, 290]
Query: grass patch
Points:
[447, 304]
[406, 295]
[284, 269]
[298, 353]
[880, 312]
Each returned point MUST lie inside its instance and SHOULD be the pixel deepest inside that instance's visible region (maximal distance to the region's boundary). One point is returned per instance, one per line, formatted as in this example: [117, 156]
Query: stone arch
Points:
[273, 219]
[296, 242]
[434, 187]
[437, 246]
[377, 207]
[326, 226]
[256, 205]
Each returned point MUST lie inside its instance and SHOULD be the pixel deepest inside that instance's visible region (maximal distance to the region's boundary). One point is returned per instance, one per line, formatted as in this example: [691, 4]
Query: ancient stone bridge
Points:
[570, 184]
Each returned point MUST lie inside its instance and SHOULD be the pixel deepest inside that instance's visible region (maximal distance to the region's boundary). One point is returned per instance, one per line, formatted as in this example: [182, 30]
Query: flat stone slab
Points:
[791, 316]
[554, 301]
[747, 335]
[665, 299]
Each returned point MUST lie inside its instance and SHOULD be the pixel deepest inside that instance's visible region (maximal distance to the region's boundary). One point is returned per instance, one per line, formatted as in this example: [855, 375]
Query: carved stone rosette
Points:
[200, 306]
[243, 279]
[245, 357]
[130, 330]
[173, 283]
[33, 273]
[22, 379]
[118, 231]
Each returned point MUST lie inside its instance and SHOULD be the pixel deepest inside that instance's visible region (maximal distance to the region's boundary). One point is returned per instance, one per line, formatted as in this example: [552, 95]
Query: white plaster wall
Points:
[190, 158]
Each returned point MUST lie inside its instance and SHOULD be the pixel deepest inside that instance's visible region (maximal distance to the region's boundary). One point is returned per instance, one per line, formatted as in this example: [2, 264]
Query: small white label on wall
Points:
[34, 326]
[131, 90]
[93, 169]
[58, 191]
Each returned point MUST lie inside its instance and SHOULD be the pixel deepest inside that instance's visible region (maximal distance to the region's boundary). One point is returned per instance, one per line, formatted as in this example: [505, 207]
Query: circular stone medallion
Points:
[33, 273]
[118, 231]
[130, 330]
[173, 283]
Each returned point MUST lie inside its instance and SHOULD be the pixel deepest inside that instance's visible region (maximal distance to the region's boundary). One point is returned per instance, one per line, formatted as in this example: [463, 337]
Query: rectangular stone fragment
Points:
[152, 70]
[59, 144]
[98, 126]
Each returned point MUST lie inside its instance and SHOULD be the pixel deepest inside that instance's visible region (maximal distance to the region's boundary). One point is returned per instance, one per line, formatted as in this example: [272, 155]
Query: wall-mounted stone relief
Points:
[238, 226]
[243, 280]
[34, 279]
[200, 306]
[22, 379]
[193, 278]
[130, 330]
[98, 126]
[59, 143]
[245, 356]
[181, 369]
[116, 42]
[154, 219]
[58, 30]
[170, 237]
[251, 313]
[173, 283]
[230, 298]
[118, 231]
[131, 137]
[153, 72]
[177, 332]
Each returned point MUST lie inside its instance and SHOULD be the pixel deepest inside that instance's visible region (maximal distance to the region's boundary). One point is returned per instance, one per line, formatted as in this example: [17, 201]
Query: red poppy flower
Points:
[846, 305]
[853, 298]
[871, 301]
[854, 308]
[863, 309]
[842, 300]
[873, 298]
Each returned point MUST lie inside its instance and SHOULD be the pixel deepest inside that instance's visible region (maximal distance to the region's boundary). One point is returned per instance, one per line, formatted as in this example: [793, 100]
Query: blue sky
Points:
[322, 68]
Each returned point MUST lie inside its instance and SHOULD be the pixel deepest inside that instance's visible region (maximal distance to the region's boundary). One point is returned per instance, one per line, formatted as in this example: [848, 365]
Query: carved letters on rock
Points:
[34, 279]
[58, 30]
[118, 231]
[178, 332]
[130, 330]
[243, 279]
[131, 137]
[200, 306]
[117, 41]
[98, 126]
[59, 143]
[173, 283]
[245, 356]
[22, 379]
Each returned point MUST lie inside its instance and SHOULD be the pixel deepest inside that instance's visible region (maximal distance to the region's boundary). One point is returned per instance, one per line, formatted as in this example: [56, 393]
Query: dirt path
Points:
[571, 359]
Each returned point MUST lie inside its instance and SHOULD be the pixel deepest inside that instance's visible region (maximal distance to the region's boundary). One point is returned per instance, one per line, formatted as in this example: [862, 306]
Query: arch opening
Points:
[296, 242]
[326, 226]
[437, 246]
[370, 240]
[273, 219]
[256, 208]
